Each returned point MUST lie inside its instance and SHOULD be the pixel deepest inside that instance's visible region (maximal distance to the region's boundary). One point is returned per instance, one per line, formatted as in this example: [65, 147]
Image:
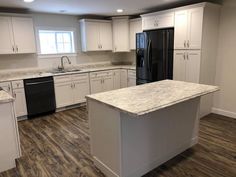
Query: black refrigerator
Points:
[154, 55]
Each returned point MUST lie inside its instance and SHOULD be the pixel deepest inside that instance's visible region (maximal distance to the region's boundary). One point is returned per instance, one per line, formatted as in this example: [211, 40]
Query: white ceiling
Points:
[92, 7]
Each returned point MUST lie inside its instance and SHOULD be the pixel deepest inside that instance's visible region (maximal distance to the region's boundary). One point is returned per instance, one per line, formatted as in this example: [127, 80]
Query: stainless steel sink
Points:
[65, 71]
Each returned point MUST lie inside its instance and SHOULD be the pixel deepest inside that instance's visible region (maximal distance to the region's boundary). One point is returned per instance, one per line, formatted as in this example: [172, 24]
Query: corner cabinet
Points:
[17, 35]
[188, 28]
[96, 35]
[135, 26]
[120, 32]
[101, 81]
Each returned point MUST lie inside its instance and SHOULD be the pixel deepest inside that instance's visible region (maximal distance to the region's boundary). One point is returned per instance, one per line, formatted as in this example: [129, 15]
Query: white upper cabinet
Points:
[23, 35]
[96, 35]
[6, 36]
[157, 20]
[188, 28]
[17, 35]
[181, 29]
[120, 29]
[135, 26]
[195, 28]
[105, 36]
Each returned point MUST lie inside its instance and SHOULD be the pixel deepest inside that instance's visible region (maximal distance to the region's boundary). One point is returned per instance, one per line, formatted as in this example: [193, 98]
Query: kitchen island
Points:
[9, 135]
[134, 130]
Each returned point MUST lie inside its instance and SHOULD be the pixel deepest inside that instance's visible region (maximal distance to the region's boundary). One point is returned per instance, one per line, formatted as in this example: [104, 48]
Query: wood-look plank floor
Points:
[58, 146]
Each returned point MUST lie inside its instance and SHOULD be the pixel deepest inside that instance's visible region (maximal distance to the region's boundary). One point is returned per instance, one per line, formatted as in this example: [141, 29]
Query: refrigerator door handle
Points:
[164, 55]
[148, 54]
[167, 53]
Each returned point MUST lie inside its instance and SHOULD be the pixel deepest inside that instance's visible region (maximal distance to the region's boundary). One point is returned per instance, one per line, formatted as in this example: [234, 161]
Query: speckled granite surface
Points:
[5, 97]
[35, 72]
[143, 99]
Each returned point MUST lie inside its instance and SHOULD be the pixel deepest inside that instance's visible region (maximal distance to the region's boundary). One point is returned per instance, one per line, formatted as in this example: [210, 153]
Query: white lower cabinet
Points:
[6, 86]
[81, 89]
[101, 81]
[71, 89]
[131, 78]
[187, 65]
[63, 93]
[123, 78]
[116, 79]
[19, 95]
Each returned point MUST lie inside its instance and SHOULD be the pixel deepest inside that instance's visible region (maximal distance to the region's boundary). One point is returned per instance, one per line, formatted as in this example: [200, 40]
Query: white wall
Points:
[225, 100]
[57, 21]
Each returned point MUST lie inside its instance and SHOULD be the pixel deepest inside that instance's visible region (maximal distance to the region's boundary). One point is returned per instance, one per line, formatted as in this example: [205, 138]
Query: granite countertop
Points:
[5, 97]
[36, 73]
[143, 99]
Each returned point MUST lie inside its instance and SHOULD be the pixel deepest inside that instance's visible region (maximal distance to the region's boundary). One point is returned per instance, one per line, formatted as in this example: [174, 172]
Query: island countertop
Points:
[143, 99]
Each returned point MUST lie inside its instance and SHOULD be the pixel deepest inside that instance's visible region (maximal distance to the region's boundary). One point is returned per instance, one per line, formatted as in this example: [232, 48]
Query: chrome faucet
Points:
[62, 63]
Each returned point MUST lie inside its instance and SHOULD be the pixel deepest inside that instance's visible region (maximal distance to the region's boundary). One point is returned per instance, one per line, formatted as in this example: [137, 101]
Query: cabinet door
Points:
[64, 94]
[96, 85]
[108, 83]
[105, 36]
[149, 23]
[23, 35]
[116, 79]
[195, 28]
[92, 36]
[179, 66]
[131, 81]
[135, 27]
[165, 20]
[181, 29]
[193, 66]
[6, 36]
[123, 78]
[120, 35]
[81, 89]
[20, 102]
[131, 78]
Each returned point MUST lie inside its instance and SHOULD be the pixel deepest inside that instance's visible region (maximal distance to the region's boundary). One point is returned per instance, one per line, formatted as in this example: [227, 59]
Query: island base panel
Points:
[136, 145]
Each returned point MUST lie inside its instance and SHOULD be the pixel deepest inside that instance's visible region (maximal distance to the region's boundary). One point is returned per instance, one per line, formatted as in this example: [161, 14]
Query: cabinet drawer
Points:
[17, 84]
[78, 77]
[6, 86]
[101, 74]
[60, 79]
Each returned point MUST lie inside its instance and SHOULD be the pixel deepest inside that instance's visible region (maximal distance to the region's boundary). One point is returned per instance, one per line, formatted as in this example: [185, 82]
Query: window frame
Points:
[66, 29]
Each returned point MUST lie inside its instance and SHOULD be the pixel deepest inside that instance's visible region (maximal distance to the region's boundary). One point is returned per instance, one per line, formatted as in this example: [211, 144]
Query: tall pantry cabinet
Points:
[196, 31]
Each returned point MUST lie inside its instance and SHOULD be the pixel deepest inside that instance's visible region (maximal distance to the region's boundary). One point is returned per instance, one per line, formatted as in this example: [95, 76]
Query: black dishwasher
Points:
[40, 96]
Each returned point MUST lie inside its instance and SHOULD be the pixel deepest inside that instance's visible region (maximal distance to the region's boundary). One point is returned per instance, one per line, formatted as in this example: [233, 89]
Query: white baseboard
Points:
[224, 112]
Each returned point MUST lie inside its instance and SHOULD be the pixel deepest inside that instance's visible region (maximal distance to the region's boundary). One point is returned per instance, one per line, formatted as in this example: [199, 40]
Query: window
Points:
[56, 42]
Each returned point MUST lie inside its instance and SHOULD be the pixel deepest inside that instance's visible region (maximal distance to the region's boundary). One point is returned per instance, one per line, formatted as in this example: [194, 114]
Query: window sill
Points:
[56, 55]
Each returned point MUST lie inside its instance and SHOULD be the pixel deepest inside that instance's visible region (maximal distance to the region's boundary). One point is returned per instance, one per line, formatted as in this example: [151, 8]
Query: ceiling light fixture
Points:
[28, 1]
[119, 10]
